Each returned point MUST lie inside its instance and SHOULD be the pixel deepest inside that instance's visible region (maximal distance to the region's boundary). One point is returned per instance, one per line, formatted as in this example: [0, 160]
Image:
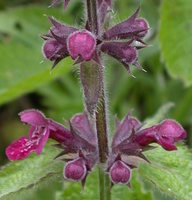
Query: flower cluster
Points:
[82, 45]
[80, 143]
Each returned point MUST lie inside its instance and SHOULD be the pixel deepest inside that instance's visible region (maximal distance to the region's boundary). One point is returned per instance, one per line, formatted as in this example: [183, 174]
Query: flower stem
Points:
[101, 125]
[107, 187]
[101, 183]
[92, 15]
[101, 117]
[102, 135]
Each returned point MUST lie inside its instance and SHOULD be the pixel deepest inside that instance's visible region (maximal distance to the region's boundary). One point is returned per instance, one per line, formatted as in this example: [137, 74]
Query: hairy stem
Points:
[101, 124]
[92, 16]
[102, 135]
[101, 117]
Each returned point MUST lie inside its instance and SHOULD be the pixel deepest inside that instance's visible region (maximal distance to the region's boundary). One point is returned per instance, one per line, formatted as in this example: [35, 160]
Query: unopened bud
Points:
[75, 170]
[50, 49]
[143, 25]
[81, 43]
[120, 173]
[130, 54]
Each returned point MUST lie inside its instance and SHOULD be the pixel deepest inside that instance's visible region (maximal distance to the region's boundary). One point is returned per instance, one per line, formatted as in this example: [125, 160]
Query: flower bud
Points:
[143, 25]
[120, 173]
[130, 54]
[75, 170]
[81, 43]
[122, 51]
[50, 49]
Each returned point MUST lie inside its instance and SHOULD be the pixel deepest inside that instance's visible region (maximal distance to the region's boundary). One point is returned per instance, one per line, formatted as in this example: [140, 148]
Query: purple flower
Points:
[129, 136]
[40, 130]
[130, 141]
[166, 134]
[82, 45]
[79, 142]
[79, 136]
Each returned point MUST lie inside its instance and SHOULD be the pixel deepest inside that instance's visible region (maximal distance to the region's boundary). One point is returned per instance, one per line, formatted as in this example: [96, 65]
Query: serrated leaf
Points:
[20, 51]
[23, 174]
[170, 172]
[176, 38]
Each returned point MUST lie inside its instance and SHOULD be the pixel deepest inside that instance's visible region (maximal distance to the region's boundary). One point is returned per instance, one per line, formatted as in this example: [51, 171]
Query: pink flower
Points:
[80, 135]
[166, 134]
[41, 129]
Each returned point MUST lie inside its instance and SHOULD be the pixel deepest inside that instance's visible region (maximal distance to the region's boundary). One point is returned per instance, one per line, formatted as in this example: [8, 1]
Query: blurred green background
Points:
[25, 82]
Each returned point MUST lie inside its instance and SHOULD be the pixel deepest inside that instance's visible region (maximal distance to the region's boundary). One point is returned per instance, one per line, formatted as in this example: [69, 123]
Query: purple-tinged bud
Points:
[53, 50]
[50, 49]
[123, 29]
[143, 25]
[130, 54]
[120, 173]
[122, 51]
[75, 170]
[81, 43]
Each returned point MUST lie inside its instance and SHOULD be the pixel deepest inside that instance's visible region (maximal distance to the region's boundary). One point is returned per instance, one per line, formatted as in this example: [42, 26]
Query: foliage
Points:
[176, 51]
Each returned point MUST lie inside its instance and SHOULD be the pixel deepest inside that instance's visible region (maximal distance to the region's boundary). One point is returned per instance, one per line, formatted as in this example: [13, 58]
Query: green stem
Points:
[107, 187]
[101, 183]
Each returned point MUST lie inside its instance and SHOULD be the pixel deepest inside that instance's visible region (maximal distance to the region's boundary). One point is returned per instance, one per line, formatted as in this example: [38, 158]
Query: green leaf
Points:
[19, 175]
[20, 57]
[45, 189]
[169, 172]
[176, 38]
